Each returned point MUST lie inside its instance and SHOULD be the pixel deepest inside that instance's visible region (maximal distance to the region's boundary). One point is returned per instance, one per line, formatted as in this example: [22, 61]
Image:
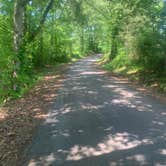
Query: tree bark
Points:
[82, 40]
[19, 22]
[114, 43]
[19, 25]
[19, 30]
[18, 19]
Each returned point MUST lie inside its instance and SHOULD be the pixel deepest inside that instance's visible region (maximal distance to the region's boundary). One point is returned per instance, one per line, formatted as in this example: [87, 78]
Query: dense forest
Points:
[131, 35]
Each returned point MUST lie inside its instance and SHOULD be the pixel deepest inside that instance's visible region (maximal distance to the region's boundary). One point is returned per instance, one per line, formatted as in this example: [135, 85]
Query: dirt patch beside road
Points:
[19, 118]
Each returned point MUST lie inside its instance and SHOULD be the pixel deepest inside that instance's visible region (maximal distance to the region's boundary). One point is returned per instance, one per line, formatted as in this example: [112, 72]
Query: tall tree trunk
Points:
[113, 49]
[19, 27]
[114, 43]
[82, 40]
[18, 18]
[41, 58]
[18, 21]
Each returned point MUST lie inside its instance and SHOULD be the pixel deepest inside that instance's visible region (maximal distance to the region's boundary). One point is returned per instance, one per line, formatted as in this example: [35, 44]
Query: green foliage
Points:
[63, 36]
[149, 51]
[6, 57]
[139, 30]
[122, 60]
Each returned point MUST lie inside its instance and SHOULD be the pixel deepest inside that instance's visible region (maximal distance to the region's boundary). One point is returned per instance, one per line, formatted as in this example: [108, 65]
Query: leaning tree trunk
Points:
[42, 21]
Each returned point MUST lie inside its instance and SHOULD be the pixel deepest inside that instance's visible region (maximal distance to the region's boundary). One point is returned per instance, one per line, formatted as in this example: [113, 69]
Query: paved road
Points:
[100, 121]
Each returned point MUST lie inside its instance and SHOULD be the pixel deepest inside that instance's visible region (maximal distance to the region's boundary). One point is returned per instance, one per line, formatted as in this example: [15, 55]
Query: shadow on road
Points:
[100, 121]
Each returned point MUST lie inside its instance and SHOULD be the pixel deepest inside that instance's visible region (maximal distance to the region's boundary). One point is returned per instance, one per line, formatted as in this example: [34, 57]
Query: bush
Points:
[149, 51]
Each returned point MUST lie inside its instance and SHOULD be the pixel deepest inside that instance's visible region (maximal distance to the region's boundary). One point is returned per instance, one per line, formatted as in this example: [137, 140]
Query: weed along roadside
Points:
[19, 118]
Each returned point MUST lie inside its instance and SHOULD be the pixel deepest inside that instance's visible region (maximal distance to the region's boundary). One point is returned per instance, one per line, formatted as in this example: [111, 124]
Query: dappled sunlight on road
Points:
[162, 151]
[100, 121]
[93, 73]
[163, 113]
[127, 97]
[119, 141]
[47, 159]
[3, 113]
[89, 106]
[141, 159]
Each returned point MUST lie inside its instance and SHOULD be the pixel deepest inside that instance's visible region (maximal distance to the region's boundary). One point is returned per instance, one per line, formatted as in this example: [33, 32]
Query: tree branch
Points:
[43, 19]
[98, 10]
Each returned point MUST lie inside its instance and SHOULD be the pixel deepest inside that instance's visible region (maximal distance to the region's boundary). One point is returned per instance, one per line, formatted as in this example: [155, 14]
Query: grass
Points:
[122, 65]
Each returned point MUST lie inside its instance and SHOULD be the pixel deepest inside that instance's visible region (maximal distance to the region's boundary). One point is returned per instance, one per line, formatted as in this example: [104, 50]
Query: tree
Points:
[19, 22]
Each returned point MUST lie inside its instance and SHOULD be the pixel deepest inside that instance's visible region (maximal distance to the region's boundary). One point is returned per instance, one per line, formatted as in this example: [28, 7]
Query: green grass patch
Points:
[25, 82]
[123, 65]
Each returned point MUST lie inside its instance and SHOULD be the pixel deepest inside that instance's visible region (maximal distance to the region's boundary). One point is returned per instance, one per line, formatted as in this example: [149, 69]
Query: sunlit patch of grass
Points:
[154, 85]
[122, 65]
[75, 57]
[103, 60]
[120, 69]
[162, 81]
[132, 71]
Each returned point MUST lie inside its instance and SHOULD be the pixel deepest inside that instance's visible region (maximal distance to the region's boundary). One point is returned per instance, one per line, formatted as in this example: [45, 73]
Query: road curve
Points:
[99, 121]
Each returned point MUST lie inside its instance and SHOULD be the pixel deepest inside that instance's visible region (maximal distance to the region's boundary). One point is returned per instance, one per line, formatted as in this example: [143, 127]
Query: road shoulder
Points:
[20, 118]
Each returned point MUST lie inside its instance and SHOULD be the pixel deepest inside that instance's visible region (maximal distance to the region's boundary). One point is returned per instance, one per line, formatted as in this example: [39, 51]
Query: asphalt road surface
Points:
[98, 120]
